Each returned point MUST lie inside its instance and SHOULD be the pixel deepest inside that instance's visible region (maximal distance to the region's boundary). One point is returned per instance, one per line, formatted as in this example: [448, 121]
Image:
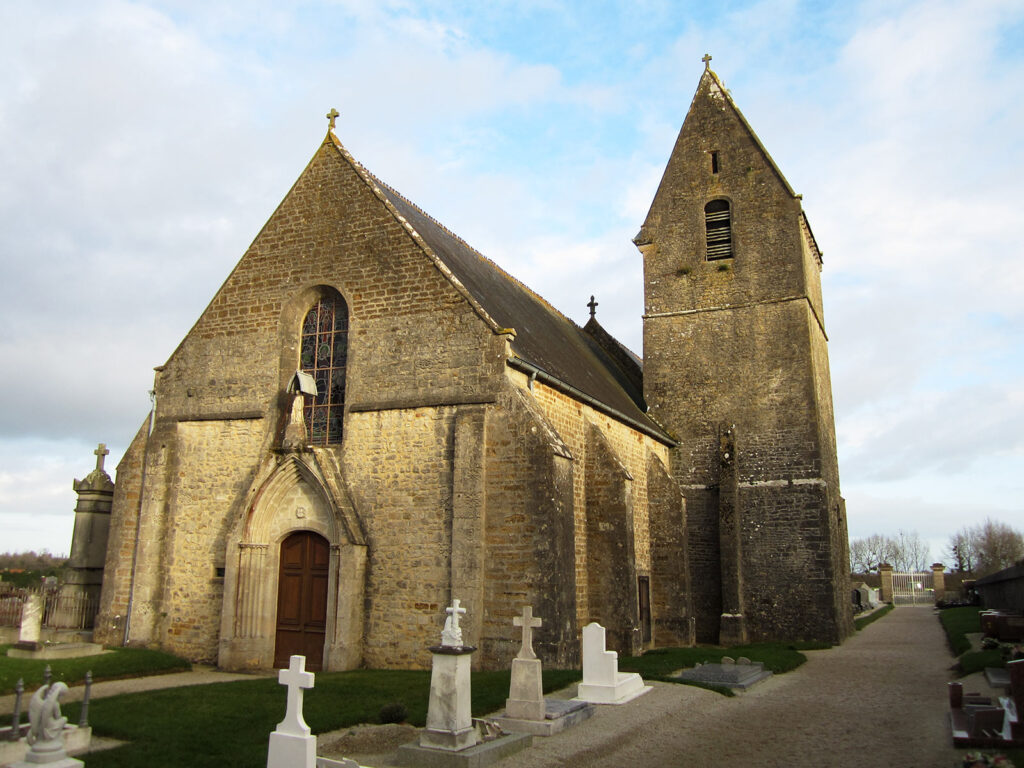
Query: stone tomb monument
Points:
[602, 681]
[451, 738]
[730, 673]
[46, 731]
[526, 709]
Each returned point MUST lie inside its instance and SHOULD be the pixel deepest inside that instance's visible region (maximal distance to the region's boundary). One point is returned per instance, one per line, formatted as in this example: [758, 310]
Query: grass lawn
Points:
[230, 723]
[659, 663]
[958, 623]
[863, 621]
[120, 663]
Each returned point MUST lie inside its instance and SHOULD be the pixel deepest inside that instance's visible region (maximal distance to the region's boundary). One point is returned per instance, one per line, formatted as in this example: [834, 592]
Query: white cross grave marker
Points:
[296, 678]
[528, 623]
[451, 635]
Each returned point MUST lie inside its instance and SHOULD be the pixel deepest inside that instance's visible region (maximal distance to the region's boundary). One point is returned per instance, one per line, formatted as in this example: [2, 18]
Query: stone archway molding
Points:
[299, 491]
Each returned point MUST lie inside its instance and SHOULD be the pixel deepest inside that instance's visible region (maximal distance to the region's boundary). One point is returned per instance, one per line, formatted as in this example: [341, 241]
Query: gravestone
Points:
[450, 739]
[292, 745]
[46, 731]
[602, 681]
[526, 693]
[740, 674]
[526, 709]
[31, 624]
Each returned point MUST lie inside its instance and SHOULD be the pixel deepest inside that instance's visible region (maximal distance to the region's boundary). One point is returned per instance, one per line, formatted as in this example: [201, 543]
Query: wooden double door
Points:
[302, 599]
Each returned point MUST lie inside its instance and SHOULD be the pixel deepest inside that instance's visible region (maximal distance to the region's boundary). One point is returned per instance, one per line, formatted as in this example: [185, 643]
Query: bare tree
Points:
[905, 552]
[860, 557]
[912, 554]
[962, 549]
[985, 548]
[999, 546]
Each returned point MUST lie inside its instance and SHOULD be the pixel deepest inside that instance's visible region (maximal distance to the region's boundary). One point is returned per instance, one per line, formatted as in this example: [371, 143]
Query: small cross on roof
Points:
[331, 116]
[593, 306]
[707, 61]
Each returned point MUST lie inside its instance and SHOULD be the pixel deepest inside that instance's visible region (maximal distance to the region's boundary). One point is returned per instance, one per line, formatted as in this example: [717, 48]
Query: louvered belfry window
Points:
[718, 225]
[324, 356]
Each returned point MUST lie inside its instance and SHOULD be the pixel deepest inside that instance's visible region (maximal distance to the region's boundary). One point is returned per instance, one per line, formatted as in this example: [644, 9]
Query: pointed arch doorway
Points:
[302, 591]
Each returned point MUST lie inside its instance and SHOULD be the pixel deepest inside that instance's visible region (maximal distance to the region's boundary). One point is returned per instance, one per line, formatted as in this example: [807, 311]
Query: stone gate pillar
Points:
[939, 581]
[885, 571]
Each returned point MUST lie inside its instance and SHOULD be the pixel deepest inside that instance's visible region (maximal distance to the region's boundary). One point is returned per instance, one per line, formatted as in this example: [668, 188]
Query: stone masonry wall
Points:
[738, 341]
[399, 467]
[214, 466]
[529, 535]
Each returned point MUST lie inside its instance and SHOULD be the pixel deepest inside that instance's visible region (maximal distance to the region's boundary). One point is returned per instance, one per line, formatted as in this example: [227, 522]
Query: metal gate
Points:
[912, 589]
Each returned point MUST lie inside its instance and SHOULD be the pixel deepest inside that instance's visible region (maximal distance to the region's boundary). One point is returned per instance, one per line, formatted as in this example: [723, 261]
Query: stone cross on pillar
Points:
[528, 623]
[451, 635]
[296, 678]
[101, 453]
[292, 745]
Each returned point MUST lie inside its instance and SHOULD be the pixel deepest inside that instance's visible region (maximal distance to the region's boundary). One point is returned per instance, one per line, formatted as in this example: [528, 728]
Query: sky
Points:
[144, 144]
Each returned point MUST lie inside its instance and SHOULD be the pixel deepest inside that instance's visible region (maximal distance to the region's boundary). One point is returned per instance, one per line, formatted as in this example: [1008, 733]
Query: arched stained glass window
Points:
[718, 226]
[324, 355]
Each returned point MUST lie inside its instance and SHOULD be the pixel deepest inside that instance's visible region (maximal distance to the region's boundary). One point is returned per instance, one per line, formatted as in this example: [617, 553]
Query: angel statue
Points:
[46, 725]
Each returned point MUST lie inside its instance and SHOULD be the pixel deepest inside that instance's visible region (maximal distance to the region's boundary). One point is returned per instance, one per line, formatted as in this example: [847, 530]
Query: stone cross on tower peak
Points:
[593, 306]
[101, 453]
[528, 623]
[707, 60]
[331, 117]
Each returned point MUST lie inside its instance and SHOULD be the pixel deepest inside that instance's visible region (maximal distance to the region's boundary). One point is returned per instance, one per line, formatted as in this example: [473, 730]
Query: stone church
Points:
[371, 418]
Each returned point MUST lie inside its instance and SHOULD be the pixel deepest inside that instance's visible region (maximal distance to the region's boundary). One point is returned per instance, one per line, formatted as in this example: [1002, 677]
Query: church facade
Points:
[370, 419]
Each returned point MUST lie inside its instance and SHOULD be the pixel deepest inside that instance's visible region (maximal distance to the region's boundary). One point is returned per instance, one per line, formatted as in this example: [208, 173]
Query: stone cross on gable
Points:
[707, 61]
[593, 306]
[528, 623]
[101, 452]
[296, 678]
[451, 636]
[331, 116]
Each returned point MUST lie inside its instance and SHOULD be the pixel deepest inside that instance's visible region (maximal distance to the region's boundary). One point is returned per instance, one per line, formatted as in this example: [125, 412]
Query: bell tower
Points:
[736, 368]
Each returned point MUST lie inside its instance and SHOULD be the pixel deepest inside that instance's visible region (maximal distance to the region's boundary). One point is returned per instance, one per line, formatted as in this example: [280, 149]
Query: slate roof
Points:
[1015, 571]
[544, 338]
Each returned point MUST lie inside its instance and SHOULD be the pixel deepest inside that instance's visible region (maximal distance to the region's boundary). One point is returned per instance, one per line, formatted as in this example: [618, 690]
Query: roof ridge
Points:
[743, 120]
[474, 250]
[376, 186]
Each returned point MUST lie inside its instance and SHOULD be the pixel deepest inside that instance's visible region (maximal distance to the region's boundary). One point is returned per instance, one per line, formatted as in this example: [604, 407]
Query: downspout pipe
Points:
[539, 374]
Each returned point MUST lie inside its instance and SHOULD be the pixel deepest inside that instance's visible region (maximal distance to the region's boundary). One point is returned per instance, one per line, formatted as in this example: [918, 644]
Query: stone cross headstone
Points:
[528, 623]
[526, 692]
[449, 718]
[292, 745]
[451, 635]
[31, 621]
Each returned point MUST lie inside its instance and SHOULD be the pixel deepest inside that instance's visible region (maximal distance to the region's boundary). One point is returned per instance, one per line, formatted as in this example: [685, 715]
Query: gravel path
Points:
[878, 700]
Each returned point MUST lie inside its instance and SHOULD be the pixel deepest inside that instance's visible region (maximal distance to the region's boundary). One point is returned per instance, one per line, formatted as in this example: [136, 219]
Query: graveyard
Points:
[233, 722]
